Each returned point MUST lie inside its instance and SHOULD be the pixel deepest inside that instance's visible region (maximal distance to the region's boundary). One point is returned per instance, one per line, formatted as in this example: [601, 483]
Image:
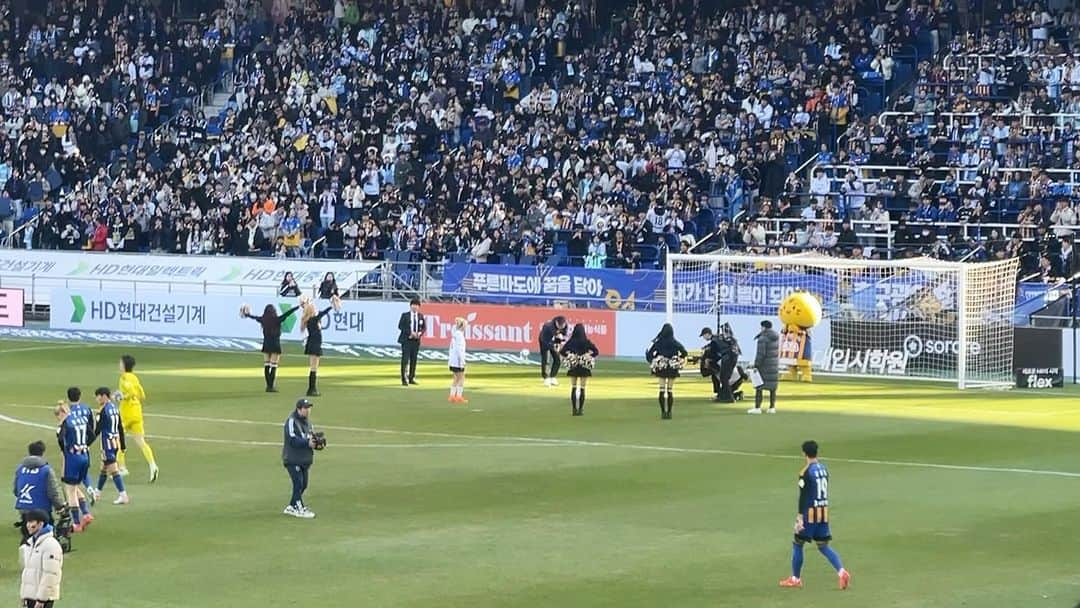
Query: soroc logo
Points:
[916, 346]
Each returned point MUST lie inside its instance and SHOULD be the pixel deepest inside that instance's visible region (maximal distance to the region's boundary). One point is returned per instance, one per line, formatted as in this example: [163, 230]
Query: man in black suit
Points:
[410, 327]
[552, 335]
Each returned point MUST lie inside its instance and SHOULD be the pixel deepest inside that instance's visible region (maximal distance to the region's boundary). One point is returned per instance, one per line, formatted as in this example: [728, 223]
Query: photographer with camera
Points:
[298, 453]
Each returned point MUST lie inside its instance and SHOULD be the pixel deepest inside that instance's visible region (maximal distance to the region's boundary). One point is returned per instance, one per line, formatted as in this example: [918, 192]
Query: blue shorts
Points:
[76, 468]
[108, 457]
[819, 533]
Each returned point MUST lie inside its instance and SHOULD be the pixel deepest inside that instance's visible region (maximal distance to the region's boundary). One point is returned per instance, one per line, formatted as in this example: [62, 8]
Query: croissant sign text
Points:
[494, 327]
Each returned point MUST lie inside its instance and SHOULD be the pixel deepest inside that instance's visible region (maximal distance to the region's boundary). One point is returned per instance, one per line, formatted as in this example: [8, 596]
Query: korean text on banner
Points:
[701, 291]
[194, 315]
[544, 285]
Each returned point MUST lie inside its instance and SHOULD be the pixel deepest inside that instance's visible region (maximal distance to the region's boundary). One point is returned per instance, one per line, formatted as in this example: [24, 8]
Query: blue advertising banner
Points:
[745, 293]
[695, 291]
[545, 285]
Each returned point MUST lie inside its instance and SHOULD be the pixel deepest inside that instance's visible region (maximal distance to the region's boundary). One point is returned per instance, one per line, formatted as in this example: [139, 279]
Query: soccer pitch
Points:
[939, 497]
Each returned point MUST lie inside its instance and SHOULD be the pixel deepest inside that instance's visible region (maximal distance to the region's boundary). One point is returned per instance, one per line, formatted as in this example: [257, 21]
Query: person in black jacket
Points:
[580, 355]
[298, 454]
[666, 356]
[311, 325]
[328, 288]
[410, 327]
[271, 346]
[552, 335]
[288, 287]
[721, 354]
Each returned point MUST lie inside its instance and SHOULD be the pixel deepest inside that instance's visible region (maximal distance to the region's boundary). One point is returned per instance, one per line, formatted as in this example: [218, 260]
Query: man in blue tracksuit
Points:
[297, 453]
[37, 486]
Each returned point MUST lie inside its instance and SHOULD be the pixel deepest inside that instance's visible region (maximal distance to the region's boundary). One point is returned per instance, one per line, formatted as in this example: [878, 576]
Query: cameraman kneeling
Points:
[298, 453]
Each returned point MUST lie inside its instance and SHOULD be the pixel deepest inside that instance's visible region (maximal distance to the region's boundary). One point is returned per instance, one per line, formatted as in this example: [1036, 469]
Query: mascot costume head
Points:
[799, 312]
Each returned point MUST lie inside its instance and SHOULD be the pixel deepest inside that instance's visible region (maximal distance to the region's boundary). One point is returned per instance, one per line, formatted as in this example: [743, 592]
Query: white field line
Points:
[547, 441]
[5, 351]
[276, 444]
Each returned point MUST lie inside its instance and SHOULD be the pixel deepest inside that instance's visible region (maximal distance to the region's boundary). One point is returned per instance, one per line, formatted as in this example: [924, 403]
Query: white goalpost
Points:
[917, 318]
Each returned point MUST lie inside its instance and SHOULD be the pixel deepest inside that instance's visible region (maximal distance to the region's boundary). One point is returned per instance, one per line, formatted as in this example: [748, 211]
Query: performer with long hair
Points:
[311, 325]
[666, 357]
[457, 362]
[271, 346]
[580, 355]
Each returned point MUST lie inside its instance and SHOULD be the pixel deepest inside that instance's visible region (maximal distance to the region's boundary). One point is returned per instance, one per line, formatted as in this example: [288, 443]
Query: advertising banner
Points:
[745, 293]
[909, 348]
[145, 272]
[512, 327]
[358, 322]
[1040, 378]
[11, 307]
[544, 285]
[695, 291]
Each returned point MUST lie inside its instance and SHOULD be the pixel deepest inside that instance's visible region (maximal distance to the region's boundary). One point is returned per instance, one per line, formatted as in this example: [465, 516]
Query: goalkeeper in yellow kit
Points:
[131, 396]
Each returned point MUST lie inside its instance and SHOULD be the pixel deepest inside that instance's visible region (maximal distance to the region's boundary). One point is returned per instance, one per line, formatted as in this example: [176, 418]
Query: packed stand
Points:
[83, 88]
[971, 154]
[492, 135]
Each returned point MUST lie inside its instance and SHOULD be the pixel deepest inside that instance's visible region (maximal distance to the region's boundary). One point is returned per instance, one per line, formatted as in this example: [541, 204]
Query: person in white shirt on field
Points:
[457, 362]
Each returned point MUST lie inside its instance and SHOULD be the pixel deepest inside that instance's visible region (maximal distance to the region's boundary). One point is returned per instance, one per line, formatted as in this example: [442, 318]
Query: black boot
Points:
[574, 401]
[581, 401]
[271, 383]
[266, 377]
[311, 381]
[670, 404]
[663, 404]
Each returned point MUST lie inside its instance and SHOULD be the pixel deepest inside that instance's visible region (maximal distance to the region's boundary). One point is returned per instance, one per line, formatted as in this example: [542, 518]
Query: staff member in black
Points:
[665, 357]
[311, 325]
[297, 454]
[271, 346]
[721, 353]
[410, 327]
[552, 335]
[583, 354]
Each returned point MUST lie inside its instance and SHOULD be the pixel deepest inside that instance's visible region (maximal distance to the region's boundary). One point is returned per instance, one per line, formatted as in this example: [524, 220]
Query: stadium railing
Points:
[1027, 119]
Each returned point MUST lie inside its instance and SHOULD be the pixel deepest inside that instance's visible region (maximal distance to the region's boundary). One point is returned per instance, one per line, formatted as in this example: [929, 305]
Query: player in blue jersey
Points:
[812, 520]
[73, 435]
[83, 411]
[111, 430]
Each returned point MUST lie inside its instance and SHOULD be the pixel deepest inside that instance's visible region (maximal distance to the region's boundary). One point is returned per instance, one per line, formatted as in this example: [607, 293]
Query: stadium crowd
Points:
[537, 129]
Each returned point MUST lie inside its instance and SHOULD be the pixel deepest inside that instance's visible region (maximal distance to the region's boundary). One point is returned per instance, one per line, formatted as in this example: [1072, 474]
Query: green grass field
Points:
[940, 498]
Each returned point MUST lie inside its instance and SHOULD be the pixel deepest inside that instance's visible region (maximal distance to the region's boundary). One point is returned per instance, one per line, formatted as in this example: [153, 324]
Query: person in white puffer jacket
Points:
[42, 561]
[457, 361]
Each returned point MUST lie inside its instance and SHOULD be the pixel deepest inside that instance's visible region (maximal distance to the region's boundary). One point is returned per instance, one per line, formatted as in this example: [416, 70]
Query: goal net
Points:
[916, 318]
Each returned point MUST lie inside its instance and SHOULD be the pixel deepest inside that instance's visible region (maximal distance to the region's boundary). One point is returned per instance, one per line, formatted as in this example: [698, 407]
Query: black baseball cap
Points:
[705, 331]
[303, 403]
[767, 324]
[36, 515]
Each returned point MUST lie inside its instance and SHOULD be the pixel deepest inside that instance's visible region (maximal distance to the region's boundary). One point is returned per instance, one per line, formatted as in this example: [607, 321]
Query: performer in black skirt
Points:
[580, 355]
[271, 346]
[666, 356]
[311, 324]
